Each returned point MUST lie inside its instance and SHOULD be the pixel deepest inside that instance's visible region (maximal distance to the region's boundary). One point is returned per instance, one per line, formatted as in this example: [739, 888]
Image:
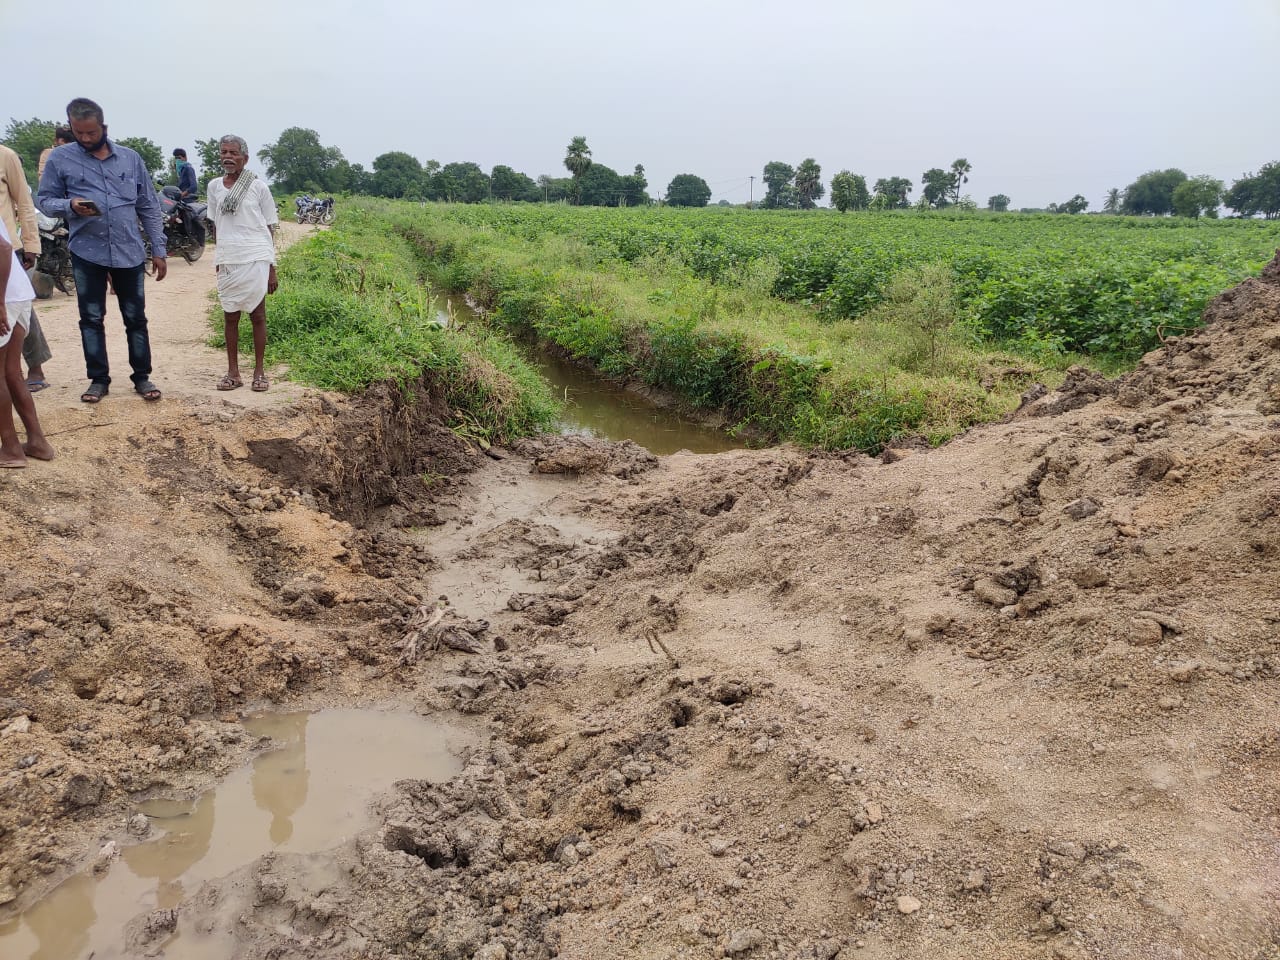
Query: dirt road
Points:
[184, 364]
[1010, 698]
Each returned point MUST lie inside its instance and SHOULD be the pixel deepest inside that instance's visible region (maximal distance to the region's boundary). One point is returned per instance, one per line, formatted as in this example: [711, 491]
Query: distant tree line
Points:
[297, 162]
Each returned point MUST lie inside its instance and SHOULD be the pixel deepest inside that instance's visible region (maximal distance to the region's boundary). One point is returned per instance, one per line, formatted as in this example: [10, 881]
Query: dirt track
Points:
[177, 313]
[1014, 697]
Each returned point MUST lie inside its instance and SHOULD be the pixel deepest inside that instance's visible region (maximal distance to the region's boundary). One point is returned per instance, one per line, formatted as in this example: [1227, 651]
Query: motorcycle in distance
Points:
[185, 226]
[313, 210]
[53, 265]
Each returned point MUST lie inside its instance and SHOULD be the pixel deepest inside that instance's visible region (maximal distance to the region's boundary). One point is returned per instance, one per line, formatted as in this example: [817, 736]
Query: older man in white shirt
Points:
[244, 220]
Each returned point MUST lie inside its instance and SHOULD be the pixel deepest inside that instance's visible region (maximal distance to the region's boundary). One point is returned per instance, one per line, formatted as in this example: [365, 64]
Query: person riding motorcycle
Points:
[188, 187]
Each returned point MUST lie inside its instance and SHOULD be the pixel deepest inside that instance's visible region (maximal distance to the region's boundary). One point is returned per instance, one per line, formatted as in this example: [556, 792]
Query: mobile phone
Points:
[93, 207]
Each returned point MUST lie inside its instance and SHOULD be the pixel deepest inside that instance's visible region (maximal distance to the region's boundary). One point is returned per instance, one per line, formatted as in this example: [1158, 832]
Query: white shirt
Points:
[19, 288]
[243, 236]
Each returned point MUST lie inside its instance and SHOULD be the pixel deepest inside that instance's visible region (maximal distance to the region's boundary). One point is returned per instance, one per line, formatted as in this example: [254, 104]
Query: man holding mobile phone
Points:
[103, 190]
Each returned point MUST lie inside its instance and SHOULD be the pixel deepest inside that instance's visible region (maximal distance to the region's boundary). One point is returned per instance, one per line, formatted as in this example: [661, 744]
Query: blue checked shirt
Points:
[121, 187]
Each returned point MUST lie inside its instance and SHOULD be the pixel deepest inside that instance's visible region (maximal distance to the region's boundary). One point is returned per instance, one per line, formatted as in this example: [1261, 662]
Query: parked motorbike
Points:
[314, 210]
[184, 224]
[53, 266]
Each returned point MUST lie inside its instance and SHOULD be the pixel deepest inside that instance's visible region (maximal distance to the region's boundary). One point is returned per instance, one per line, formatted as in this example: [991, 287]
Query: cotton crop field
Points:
[1103, 285]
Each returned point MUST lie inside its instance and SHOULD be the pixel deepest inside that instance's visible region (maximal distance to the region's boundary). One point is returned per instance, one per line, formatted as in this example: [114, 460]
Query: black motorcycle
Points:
[53, 265]
[184, 224]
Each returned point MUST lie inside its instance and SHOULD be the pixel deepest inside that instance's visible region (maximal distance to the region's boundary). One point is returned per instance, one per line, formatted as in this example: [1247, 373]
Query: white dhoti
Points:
[19, 312]
[242, 286]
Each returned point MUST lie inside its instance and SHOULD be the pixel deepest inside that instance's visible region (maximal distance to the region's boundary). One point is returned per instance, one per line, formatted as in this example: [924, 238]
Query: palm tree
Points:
[808, 181]
[1113, 201]
[959, 175]
[578, 161]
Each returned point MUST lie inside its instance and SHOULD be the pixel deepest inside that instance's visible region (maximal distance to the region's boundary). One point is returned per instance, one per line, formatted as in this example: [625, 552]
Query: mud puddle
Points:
[309, 794]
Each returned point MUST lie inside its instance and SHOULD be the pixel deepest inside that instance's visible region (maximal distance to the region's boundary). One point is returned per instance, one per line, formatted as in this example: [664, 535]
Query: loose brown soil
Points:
[1011, 698]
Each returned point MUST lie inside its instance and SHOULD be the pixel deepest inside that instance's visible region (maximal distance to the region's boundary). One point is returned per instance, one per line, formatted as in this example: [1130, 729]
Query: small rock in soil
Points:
[1082, 508]
[740, 941]
[106, 855]
[1089, 577]
[1144, 632]
[975, 880]
[18, 725]
[664, 855]
[988, 591]
[908, 905]
[1184, 672]
[82, 790]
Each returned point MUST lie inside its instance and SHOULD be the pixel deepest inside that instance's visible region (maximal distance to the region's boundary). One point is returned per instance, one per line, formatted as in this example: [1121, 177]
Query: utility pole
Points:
[751, 191]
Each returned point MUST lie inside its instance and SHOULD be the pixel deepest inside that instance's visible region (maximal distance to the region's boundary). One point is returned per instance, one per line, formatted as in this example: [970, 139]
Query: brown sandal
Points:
[230, 383]
[260, 384]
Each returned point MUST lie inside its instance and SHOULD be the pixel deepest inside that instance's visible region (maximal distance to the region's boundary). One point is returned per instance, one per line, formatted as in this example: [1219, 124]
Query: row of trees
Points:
[941, 189]
[298, 162]
[1162, 192]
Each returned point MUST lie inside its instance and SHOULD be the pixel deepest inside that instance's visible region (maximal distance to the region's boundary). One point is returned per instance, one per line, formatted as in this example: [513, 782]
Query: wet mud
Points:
[1012, 697]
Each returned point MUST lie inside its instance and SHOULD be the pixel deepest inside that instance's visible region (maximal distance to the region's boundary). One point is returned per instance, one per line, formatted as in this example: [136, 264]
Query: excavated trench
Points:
[1010, 697]
[357, 468]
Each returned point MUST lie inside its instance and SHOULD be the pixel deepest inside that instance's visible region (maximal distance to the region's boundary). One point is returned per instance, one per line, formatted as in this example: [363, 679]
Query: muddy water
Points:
[596, 408]
[309, 794]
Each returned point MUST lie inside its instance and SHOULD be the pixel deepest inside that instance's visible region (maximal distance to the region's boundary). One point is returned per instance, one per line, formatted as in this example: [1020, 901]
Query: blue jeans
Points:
[91, 293]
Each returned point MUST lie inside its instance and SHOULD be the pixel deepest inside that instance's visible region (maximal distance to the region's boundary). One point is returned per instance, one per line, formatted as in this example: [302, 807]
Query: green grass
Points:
[352, 311]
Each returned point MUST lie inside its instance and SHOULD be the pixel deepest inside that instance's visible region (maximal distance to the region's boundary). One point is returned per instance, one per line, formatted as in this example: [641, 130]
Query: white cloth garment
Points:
[19, 312]
[241, 286]
[17, 295]
[243, 236]
[19, 286]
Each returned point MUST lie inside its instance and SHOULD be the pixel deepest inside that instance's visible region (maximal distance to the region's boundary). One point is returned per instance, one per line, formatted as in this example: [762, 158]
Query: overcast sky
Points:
[1045, 99]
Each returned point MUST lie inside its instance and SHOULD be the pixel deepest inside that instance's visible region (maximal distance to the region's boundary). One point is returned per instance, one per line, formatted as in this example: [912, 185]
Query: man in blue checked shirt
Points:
[102, 190]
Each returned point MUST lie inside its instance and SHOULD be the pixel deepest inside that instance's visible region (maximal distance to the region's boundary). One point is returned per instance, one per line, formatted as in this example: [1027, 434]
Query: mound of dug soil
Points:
[1010, 698]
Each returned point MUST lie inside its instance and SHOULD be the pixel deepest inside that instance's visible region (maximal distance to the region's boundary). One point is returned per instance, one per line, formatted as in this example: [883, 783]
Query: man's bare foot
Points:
[10, 462]
[38, 449]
